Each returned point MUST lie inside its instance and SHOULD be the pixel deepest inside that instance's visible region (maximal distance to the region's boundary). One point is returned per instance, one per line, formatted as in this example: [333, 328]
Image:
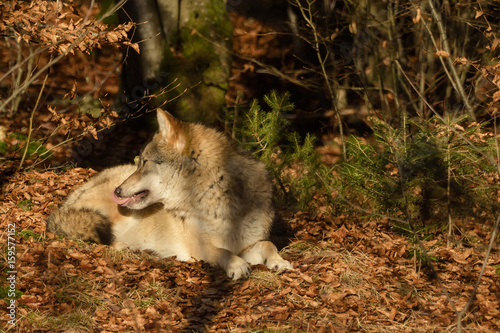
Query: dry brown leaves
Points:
[348, 275]
[59, 26]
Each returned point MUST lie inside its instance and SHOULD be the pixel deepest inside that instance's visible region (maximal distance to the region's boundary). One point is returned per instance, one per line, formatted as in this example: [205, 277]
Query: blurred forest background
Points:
[382, 109]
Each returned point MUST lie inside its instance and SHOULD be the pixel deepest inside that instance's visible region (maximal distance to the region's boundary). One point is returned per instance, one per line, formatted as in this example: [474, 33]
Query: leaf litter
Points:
[348, 274]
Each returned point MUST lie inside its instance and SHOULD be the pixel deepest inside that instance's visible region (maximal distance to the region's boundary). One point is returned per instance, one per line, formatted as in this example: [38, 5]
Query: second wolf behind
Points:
[192, 195]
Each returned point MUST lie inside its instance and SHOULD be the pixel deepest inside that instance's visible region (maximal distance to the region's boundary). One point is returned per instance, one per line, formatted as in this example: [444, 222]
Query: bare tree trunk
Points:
[187, 40]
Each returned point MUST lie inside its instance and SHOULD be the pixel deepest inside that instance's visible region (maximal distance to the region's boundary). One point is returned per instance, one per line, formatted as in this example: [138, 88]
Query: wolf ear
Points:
[172, 130]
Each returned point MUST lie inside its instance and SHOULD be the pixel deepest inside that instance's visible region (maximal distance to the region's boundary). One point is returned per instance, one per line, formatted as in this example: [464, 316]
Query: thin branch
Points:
[308, 15]
[271, 70]
[454, 78]
[454, 130]
[30, 130]
[483, 268]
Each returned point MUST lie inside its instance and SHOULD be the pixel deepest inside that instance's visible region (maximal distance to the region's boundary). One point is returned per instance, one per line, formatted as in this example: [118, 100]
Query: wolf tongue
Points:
[124, 201]
[120, 201]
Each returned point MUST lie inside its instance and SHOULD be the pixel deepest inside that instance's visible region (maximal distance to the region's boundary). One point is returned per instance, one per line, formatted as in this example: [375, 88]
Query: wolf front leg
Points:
[235, 267]
[265, 252]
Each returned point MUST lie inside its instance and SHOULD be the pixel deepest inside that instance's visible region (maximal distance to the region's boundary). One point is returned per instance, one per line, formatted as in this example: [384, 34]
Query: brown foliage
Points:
[349, 275]
[58, 25]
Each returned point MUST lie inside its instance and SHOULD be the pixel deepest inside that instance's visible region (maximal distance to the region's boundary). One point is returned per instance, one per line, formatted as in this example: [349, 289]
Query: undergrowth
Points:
[424, 174]
[291, 158]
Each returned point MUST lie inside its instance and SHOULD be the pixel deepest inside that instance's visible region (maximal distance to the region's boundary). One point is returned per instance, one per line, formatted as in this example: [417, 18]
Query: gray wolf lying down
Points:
[192, 195]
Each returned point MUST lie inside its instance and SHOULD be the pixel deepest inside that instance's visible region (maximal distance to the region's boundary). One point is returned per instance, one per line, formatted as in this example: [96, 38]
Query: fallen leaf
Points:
[443, 54]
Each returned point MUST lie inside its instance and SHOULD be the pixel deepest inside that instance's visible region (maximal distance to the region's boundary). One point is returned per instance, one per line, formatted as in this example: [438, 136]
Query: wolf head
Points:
[159, 174]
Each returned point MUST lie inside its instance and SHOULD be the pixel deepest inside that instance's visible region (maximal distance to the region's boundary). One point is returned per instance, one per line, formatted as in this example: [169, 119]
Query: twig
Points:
[271, 70]
[308, 16]
[448, 192]
[454, 78]
[30, 129]
[485, 263]
[455, 131]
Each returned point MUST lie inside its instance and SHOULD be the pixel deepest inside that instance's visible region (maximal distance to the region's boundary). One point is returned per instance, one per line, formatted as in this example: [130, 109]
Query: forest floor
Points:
[350, 273]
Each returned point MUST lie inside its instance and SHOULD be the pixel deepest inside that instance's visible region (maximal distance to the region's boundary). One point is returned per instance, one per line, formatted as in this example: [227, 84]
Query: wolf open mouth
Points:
[126, 201]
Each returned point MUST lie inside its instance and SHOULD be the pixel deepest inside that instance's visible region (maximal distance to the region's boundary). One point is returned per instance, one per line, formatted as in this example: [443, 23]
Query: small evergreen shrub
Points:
[290, 158]
[422, 173]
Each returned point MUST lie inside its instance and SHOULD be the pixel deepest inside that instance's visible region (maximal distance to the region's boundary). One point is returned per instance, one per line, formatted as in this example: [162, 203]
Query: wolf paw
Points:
[278, 264]
[238, 268]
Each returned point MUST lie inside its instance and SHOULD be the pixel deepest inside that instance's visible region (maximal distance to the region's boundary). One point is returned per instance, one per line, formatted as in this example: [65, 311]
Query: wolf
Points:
[193, 194]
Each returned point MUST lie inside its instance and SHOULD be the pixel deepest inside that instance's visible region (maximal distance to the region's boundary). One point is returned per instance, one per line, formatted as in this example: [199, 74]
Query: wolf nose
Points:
[118, 192]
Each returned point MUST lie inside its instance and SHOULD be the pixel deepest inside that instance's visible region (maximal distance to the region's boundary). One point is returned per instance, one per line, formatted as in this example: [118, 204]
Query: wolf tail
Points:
[82, 224]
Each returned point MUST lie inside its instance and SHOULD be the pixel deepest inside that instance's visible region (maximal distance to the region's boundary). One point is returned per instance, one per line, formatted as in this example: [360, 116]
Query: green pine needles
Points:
[424, 173]
[291, 158]
[428, 173]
